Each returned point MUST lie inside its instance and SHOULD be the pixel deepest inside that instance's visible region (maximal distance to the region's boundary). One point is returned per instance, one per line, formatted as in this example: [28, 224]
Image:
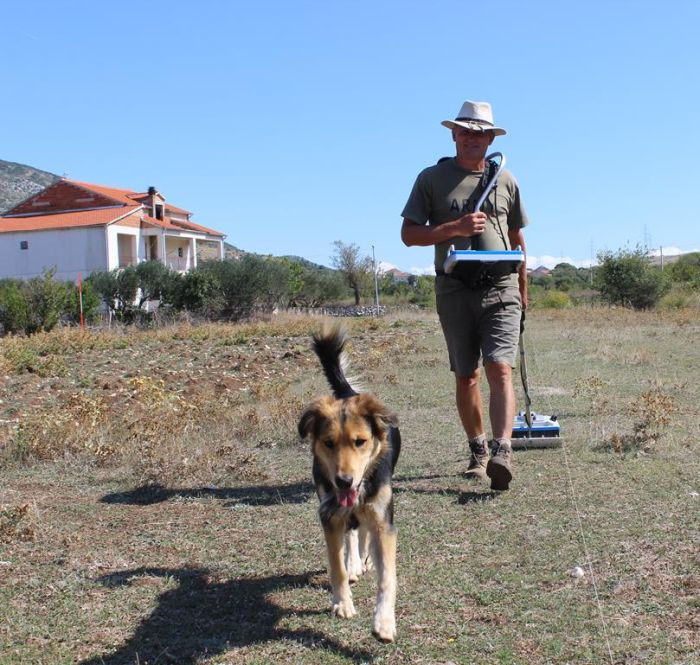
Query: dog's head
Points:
[348, 437]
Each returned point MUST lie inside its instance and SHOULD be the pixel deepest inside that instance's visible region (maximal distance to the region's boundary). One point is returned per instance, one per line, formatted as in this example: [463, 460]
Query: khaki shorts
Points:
[478, 322]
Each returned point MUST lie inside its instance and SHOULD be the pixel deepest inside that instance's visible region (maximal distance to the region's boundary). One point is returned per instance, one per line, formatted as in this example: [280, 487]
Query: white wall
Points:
[113, 230]
[69, 250]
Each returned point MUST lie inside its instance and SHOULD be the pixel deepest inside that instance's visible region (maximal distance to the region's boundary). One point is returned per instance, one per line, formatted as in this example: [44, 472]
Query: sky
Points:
[290, 124]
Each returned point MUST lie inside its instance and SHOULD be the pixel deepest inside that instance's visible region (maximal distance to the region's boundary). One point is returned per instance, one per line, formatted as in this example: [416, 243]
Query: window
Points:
[24, 244]
[179, 252]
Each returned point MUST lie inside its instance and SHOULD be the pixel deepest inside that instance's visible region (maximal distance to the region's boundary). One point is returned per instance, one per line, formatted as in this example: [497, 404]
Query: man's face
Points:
[471, 144]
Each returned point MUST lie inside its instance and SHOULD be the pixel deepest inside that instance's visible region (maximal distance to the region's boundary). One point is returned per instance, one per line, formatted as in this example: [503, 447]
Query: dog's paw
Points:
[343, 608]
[384, 626]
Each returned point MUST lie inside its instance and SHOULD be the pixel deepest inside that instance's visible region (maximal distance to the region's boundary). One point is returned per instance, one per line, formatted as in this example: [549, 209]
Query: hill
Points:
[19, 181]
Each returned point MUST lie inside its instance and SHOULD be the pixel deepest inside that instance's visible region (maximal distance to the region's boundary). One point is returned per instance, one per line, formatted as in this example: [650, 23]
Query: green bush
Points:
[125, 290]
[14, 307]
[552, 300]
[627, 278]
[46, 299]
[423, 293]
[686, 270]
[320, 287]
[91, 303]
[31, 306]
[196, 291]
[249, 283]
[153, 279]
[679, 298]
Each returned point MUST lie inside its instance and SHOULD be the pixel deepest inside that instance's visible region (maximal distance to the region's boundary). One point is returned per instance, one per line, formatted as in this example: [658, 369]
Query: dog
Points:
[355, 444]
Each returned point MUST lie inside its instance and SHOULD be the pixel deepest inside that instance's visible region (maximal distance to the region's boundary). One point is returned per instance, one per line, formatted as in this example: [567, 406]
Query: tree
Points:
[118, 288]
[628, 278]
[686, 270]
[153, 279]
[356, 269]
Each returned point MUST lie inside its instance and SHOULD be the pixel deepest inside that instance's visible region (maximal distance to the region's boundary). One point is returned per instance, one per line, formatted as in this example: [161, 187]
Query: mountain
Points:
[19, 181]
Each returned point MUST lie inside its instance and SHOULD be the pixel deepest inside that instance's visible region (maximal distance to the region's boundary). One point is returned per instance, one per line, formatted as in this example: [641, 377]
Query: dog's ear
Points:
[379, 417]
[313, 418]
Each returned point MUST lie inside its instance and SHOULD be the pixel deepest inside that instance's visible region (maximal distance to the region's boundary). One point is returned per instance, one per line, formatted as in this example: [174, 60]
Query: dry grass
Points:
[156, 504]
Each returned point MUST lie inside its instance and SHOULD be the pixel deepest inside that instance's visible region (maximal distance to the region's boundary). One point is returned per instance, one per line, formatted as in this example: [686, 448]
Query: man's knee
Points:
[498, 373]
[468, 382]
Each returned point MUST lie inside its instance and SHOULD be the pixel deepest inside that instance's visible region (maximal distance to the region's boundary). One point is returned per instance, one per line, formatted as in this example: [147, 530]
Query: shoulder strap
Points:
[489, 170]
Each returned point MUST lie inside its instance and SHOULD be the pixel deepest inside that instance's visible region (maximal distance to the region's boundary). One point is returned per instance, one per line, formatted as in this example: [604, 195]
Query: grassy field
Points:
[155, 503]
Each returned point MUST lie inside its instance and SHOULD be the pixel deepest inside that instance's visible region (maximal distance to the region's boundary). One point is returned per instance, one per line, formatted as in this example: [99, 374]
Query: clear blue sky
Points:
[291, 124]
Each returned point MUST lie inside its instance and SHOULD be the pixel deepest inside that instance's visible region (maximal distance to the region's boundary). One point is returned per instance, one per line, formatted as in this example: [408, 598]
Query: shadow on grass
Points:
[257, 495]
[461, 496]
[200, 618]
[270, 495]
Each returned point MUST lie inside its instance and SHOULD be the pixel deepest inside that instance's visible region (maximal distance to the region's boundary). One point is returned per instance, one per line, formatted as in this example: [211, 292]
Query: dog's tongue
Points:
[347, 498]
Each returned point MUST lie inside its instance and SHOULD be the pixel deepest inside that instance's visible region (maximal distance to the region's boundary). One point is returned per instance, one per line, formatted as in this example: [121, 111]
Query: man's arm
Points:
[413, 233]
[517, 241]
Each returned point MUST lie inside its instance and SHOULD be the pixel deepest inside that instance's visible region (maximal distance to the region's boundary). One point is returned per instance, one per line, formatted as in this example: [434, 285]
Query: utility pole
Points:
[376, 287]
[661, 255]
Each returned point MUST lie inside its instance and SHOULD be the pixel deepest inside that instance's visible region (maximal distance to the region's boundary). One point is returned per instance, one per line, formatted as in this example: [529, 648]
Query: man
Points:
[478, 319]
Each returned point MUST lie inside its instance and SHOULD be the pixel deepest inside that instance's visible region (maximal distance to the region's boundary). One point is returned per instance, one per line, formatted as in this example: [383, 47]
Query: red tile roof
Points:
[97, 215]
[163, 223]
[173, 208]
[121, 195]
[168, 206]
[64, 220]
[169, 223]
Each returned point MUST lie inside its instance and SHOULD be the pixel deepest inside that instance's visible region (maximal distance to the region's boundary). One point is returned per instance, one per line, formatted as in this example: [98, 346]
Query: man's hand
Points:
[471, 224]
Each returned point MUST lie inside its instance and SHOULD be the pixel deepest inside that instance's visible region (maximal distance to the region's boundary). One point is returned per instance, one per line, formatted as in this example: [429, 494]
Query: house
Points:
[76, 227]
[398, 275]
[541, 271]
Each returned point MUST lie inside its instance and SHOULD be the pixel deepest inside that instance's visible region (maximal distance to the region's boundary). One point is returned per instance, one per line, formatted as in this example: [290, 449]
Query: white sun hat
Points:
[476, 116]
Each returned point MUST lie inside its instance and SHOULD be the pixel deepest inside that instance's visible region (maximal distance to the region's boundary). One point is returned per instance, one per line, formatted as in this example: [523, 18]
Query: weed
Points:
[652, 412]
[16, 523]
[592, 390]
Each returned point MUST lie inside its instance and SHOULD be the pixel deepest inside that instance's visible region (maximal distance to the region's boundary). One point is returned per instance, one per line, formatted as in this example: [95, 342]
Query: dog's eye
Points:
[328, 443]
[360, 442]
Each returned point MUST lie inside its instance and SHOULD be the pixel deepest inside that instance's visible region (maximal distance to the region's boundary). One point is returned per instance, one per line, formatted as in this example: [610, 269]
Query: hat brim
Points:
[453, 124]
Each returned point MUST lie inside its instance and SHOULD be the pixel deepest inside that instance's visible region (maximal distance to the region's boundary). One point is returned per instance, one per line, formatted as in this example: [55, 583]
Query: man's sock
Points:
[481, 438]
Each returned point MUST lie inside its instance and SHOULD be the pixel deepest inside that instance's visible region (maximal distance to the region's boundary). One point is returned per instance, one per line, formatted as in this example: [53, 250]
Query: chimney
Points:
[152, 191]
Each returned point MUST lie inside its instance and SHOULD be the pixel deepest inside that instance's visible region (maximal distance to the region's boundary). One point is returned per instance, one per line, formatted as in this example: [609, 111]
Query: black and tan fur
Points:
[355, 445]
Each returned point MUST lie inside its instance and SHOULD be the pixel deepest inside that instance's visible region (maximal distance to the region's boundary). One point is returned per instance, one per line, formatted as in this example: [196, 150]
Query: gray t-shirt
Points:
[446, 191]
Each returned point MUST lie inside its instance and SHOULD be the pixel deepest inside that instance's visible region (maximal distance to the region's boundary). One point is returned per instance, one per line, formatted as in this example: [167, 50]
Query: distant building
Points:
[77, 227]
[398, 275]
[541, 271]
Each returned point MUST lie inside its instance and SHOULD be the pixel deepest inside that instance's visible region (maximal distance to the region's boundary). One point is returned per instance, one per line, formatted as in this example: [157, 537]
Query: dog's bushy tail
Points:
[328, 344]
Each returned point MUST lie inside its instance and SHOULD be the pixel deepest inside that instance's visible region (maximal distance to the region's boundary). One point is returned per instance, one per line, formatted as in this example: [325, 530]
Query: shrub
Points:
[249, 283]
[153, 279]
[553, 300]
[196, 291]
[31, 306]
[423, 293]
[91, 303]
[126, 290]
[686, 270]
[14, 308]
[46, 299]
[679, 298]
[628, 279]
